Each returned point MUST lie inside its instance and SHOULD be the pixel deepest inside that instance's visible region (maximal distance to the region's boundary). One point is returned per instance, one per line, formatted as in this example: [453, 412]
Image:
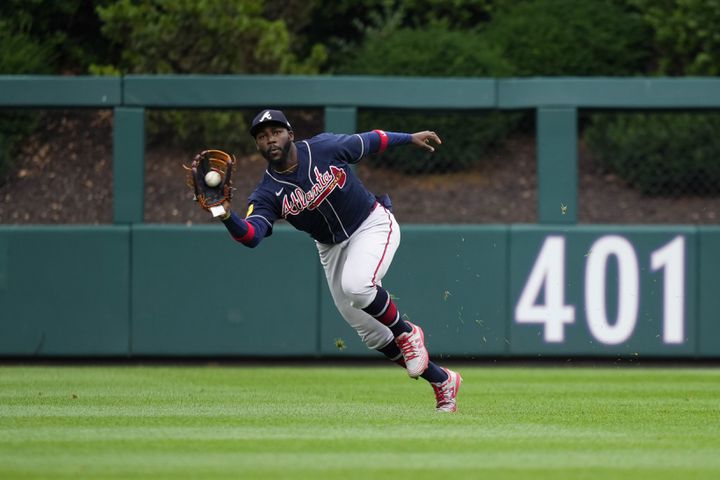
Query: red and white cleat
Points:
[412, 346]
[446, 392]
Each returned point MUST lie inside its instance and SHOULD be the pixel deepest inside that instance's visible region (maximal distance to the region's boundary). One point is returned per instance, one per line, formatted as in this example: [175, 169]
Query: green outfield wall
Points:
[64, 291]
[479, 291]
[555, 289]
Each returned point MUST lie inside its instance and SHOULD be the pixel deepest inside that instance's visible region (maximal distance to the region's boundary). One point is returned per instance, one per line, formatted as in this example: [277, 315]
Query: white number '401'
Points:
[548, 276]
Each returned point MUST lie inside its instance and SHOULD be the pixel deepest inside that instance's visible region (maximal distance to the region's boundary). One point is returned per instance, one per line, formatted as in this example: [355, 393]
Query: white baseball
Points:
[212, 178]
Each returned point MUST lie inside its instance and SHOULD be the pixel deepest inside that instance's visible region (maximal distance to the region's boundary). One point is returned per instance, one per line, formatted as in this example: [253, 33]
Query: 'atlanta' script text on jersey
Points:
[299, 200]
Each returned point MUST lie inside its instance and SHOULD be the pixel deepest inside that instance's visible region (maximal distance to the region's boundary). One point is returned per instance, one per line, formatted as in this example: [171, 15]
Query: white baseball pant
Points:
[355, 266]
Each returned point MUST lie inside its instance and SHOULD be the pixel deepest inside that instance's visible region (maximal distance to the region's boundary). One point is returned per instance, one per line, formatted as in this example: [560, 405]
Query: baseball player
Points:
[310, 184]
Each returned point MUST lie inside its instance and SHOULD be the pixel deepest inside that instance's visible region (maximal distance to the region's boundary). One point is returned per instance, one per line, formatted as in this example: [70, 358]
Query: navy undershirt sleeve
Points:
[395, 138]
[248, 232]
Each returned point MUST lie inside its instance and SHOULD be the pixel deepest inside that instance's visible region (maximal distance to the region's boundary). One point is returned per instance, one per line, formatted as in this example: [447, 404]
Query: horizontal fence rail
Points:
[223, 91]
[50, 91]
[309, 91]
[616, 93]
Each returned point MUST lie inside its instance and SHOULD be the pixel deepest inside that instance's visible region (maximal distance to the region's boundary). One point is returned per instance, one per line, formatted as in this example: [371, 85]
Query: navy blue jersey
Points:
[322, 196]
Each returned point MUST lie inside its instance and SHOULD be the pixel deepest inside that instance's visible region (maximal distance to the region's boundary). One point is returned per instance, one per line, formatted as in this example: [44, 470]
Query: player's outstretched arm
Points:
[423, 139]
[248, 232]
[377, 141]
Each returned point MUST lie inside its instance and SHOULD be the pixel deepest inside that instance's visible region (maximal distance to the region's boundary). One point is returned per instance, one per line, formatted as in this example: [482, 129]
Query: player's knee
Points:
[359, 291]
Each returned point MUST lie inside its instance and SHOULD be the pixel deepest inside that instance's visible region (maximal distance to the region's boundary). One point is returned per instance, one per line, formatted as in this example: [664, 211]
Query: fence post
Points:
[128, 164]
[557, 165]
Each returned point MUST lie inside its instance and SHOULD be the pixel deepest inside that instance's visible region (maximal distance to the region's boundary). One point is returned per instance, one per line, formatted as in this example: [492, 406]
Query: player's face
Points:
[274, 142]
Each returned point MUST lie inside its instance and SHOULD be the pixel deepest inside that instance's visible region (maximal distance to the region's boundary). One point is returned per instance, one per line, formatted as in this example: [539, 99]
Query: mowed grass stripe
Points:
[292, 422]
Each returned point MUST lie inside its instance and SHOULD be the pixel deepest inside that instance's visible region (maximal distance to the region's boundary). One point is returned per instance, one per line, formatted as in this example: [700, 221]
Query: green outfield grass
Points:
[357, 422]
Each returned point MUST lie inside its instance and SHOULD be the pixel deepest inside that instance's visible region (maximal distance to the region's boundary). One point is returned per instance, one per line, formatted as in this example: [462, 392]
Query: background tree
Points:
[668, 153]
[202, 37]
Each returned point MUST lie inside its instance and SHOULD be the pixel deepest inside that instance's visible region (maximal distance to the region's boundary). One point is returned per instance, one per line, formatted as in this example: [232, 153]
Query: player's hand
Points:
[423, 139]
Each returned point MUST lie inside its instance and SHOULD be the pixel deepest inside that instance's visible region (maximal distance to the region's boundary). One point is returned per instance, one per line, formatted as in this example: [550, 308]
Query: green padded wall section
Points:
[64, 290]
[709, 292]
[195, 291]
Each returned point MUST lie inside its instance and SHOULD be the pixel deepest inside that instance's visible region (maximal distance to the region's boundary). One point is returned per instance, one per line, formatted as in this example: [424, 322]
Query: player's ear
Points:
[291, 134]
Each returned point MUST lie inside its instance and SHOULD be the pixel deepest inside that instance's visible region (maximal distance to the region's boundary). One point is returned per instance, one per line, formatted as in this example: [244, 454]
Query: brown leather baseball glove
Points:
[211, 192]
